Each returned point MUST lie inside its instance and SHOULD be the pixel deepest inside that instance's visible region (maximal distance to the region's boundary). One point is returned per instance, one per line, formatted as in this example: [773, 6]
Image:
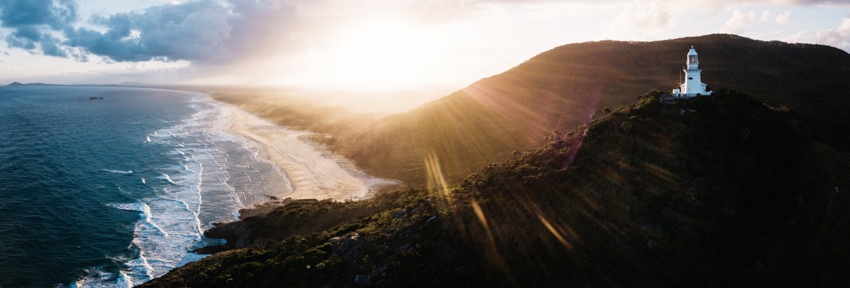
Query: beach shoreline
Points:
[313, 171]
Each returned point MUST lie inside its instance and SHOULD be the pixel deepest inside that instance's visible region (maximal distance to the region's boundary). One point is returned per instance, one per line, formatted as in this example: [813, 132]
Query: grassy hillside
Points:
[733, 194]
[718, 191]
[562, 88]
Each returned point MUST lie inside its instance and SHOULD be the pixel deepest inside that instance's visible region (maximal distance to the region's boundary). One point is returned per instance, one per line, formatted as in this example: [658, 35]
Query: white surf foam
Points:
[124, 206]
[148, 216]
[124, 172]
[97, 277]
[195, 191]
[214, 174]
[168, 178]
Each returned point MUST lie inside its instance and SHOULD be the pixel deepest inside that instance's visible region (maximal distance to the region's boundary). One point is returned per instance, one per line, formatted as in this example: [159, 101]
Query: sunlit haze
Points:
[359, 45]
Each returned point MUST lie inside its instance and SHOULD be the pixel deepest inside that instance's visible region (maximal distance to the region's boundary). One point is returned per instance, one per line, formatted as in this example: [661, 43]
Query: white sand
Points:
[314, 172]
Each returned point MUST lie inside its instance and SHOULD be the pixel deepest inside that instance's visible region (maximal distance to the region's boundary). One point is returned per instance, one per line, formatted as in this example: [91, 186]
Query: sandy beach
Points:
[314, 172]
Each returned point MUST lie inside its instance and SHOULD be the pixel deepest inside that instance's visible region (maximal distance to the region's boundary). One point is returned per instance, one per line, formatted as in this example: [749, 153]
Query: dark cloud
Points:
[191, 31]
[25, 13]
[34, 22]
[204, 30]
[223, 31]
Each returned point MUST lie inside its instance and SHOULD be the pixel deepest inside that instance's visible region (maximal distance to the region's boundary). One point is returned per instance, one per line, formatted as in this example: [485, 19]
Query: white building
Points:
[692, 85]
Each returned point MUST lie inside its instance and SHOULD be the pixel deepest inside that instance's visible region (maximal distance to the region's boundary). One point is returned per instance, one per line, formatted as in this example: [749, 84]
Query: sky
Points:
[360, 44]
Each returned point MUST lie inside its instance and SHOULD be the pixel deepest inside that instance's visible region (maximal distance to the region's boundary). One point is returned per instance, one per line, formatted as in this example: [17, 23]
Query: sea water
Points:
[113, 192]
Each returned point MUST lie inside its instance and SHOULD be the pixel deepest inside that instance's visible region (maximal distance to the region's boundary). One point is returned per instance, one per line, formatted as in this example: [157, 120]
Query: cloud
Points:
[203, 31]
[33, 22]
[189, 31]
[814, 2]
[783, 18]
[641, 18]
[737, 22]
[222, 32]
[838, 37]
[765, 15]
[30, 13]
[776, 2]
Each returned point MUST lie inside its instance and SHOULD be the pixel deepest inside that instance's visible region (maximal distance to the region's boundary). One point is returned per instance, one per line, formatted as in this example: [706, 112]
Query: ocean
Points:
[113, 192]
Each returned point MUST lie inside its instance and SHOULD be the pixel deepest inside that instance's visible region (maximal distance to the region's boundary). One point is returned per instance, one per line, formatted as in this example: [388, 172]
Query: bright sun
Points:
[379, 55]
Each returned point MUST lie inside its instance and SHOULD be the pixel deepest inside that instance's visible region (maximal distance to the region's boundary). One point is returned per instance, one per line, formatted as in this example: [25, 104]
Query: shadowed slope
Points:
[734, 194]
[563, 87]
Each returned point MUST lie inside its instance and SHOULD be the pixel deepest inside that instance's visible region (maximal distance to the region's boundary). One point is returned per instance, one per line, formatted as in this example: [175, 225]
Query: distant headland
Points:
[126, 83]
[30, 84]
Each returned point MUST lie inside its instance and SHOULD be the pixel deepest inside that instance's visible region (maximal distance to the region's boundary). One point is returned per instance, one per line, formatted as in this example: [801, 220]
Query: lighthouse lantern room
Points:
[692, 85]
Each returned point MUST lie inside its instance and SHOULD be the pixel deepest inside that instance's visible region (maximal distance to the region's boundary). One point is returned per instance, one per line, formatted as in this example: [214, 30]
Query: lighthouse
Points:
[692, 84]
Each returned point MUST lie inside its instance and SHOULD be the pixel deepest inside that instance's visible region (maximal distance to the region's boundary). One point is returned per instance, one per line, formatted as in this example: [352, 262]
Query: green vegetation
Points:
[712, 192]
[394, 245]
[719, 191]
[733, 194]
[565, 87]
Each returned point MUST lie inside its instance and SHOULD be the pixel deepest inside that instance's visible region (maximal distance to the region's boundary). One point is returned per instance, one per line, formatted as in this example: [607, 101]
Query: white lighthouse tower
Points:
[692, 85]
